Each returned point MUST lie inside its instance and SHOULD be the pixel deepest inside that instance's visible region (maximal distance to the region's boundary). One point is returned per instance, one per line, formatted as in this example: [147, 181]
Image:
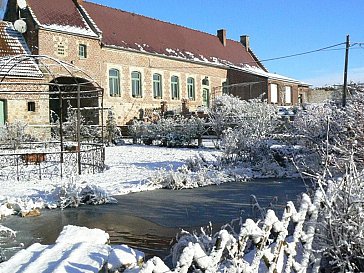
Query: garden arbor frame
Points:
[47, 84]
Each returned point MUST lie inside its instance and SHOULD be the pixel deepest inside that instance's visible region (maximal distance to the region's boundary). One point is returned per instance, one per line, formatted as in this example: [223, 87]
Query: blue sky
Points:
[276, 28]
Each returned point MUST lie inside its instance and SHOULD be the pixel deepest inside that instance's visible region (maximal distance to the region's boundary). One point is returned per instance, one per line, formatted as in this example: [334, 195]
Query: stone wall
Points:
[27, 104]
[320, 95]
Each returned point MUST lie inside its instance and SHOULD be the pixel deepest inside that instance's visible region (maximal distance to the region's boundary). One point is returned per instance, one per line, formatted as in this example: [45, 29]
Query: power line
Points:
[303, 53]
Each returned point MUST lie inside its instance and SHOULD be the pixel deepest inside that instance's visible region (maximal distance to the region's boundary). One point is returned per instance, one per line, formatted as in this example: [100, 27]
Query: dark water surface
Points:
[150, 220]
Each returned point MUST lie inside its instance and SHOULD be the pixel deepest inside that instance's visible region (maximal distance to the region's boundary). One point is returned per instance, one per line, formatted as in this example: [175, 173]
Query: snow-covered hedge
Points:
[247, 130]
[67, 194]
[249, 246]
[170, 132]
[197, 172]
[341, 237]
[257, 118]
[333, 134]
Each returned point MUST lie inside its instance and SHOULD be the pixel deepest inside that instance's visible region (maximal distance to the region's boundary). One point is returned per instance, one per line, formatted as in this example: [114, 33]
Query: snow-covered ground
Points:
[127, 170]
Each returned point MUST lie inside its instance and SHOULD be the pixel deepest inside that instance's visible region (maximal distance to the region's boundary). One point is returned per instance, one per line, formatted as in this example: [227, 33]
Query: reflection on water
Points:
[149, 221]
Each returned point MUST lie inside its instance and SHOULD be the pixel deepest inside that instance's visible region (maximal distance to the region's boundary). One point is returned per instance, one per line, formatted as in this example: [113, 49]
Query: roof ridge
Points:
[158, 20]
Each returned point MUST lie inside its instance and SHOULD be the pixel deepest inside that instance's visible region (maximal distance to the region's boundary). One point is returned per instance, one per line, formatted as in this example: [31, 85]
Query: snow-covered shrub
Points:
[72, 194]
[341, 236]
[332, 134]
[266, 245]
[70, 126]
[15, 133]
[256, 117]
[246, 129]
[113, 133]
[170, 132]
[55, 125]
[184, 178]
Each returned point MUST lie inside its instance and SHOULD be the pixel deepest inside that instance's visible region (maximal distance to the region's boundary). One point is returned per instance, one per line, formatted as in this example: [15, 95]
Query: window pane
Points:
[157, 86]
[273, 93]
[288, 95]
[2, 112]
[31, 106]
[82, 51]
[205, 97]
[136, 89]
[191, 88]
[175, 87]
[114, 82]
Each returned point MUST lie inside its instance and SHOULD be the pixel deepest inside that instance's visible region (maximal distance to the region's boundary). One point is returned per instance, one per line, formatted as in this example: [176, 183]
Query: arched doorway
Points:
[74, 93]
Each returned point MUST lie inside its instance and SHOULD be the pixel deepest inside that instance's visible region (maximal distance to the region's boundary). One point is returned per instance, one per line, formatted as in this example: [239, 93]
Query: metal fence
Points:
[47, 160]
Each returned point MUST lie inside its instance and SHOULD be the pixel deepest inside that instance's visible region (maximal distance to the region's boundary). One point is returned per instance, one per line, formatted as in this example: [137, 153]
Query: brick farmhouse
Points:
[143, 63]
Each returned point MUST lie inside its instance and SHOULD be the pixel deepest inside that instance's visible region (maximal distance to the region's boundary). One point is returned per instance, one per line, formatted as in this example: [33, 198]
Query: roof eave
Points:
[223, 66]
[43, 27]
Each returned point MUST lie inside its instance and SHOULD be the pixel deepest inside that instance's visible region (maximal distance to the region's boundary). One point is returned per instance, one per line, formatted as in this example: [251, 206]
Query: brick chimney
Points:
[221, 34]
[245, 40]
[79, 2]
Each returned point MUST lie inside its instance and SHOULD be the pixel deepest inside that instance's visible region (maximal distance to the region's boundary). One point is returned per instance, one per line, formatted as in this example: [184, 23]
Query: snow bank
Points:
[77, 249]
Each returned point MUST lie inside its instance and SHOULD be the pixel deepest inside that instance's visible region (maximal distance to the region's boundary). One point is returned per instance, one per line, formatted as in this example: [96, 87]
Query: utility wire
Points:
[303, 53]
[327, 48]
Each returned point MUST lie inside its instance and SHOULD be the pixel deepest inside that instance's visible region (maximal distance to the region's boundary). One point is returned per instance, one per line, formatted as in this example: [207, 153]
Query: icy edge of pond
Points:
[68, 194]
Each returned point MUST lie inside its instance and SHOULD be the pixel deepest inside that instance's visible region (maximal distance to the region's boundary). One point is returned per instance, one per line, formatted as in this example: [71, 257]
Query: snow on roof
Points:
[61, 16]
[12, 47]
[260, 72]
[17, 66]
[131, 31]
[11, 41]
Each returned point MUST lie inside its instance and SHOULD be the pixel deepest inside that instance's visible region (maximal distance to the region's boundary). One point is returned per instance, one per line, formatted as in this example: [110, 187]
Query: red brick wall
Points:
[253, 86]
[100, 59]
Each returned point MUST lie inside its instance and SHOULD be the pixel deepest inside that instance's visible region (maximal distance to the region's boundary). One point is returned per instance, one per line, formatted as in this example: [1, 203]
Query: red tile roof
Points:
[57, 12]
[129, 30]
[12, 48]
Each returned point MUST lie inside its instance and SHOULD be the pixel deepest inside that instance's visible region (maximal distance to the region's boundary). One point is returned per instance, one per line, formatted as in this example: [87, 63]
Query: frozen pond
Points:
[150, 220]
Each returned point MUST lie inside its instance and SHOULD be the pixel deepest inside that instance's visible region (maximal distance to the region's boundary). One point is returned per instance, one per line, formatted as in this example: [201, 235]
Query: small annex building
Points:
[13, 107]
[143, 63]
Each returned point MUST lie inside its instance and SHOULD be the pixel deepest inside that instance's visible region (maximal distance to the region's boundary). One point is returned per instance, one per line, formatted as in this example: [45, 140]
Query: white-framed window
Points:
[157, 86]
[191, 88]
[288, 94]
[82, 51]
[206, 97]
[273, 93]
[114, 82]
[136, 84]
[175, 87]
